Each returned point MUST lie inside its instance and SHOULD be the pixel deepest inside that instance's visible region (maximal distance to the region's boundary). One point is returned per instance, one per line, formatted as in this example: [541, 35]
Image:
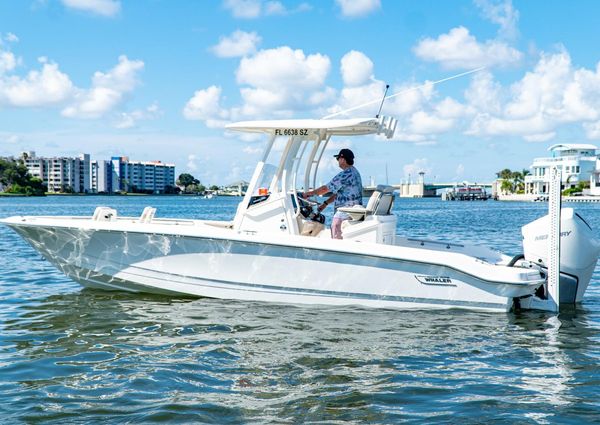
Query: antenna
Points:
[387, 86]
[432, 83]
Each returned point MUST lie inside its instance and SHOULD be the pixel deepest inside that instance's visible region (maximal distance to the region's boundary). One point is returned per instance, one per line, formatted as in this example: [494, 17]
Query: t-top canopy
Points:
[305, 127]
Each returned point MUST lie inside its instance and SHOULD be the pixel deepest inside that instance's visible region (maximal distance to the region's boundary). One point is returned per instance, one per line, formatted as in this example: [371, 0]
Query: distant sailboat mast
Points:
[386, 174]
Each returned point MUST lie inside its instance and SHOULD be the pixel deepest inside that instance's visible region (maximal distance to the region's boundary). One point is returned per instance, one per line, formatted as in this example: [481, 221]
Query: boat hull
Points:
[208, 266]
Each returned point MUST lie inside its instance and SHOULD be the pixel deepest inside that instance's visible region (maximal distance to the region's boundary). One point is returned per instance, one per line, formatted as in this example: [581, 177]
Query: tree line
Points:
[191, 184]
[512, 181]
[15, 179]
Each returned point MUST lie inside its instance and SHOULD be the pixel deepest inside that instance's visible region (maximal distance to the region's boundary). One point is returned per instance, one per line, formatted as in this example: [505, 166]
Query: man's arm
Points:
[327, 202]
[318, 191]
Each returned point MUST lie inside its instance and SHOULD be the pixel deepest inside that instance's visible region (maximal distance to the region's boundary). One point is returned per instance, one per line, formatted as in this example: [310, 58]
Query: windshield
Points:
[266, 180]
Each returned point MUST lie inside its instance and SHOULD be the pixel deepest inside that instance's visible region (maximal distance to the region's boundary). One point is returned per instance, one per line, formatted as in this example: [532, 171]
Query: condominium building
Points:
[60, 174]
[101, 176]
[140, 176]
[577, 162]
[80, 175]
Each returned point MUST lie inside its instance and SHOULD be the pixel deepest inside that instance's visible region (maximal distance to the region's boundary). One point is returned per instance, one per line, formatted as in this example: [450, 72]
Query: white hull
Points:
[198, 259]
[276, 249]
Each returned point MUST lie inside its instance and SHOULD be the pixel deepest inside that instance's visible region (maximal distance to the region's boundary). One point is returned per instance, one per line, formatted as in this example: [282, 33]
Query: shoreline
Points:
[536, 198]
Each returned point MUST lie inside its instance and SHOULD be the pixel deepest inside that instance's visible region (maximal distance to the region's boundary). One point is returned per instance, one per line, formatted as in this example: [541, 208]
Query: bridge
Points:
[422, 189]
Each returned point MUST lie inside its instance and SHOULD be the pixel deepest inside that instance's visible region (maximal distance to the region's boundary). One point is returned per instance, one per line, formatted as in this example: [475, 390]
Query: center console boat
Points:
[277, 249]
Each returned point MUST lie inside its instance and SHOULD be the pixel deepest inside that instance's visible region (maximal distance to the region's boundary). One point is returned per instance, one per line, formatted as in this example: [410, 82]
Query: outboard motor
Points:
[579, 251]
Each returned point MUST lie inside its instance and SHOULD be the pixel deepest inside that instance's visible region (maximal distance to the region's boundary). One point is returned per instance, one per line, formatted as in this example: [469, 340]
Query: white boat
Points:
[277, 250]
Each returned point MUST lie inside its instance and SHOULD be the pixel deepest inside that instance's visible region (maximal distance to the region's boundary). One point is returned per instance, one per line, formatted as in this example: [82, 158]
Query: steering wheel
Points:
[306, 205]
[310, 202]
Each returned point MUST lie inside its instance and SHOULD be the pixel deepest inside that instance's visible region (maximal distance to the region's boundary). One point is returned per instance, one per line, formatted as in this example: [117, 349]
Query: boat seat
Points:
[380, 203]
[147, 215]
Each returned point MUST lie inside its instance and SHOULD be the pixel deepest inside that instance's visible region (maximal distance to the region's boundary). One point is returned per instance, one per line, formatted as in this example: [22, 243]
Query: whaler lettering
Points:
[434, 280]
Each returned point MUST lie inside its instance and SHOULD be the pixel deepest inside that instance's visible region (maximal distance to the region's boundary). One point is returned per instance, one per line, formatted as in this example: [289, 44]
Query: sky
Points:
[159, 80]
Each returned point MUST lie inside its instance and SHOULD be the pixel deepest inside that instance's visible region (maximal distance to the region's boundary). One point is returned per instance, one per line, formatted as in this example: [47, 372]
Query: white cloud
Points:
[552, 94]
[11, 38]
[420, 118]
[283, 82]
[501, 13]
[358, 8]
[191, 164]
[402, 136]
[351, 97]
[460, 50]
[273, 67]
[130, 119]
[244, 9]
[542, 137]
[275, 8]
[8, 62]
[252, 9]
[449, 108]
[205, 106]
[544, 86]
[107, 8]
[484, 94]
[592, 130]
[485, 124]
[11, 139]
[361, 87]
[246, 137]
[252, 150]
[424, 123]
[460, 171]
[236, 174]
[413, 169]
[357, 68]
[39, 88]
[239, 43]
[282, 79]
[414, 98]
[49, 86]
[107, 92]
[322, 97]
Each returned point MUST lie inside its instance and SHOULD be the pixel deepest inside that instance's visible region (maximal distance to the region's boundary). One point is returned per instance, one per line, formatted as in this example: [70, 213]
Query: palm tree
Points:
[504, 174]
[506, 186]
[518, 181]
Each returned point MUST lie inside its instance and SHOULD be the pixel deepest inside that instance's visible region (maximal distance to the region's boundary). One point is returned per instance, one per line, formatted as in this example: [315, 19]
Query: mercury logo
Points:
[435, 280]
[544, 237]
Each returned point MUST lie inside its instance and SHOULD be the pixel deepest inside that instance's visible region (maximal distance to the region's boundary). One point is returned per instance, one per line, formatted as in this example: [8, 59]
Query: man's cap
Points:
[346, 154]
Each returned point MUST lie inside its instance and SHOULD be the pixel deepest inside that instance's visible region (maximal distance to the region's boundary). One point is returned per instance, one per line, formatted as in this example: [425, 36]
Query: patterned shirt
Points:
[347, 185]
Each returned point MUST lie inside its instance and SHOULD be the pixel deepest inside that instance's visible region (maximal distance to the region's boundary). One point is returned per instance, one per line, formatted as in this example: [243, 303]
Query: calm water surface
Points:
[69, 355]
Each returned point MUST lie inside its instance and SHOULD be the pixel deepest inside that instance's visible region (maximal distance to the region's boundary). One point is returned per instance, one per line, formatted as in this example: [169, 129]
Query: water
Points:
[69, 355]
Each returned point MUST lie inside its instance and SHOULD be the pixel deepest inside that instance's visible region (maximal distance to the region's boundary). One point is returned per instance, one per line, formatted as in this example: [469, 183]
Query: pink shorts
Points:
[336, 227]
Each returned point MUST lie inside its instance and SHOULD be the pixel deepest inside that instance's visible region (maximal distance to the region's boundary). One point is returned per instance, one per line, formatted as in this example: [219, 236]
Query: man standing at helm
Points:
[346, 188]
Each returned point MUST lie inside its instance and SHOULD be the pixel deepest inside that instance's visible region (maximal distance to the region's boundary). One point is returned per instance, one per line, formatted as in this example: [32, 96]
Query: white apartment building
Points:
[80, 175]
[60, 174]
[140, 176]
[101, 176]
[578, 163]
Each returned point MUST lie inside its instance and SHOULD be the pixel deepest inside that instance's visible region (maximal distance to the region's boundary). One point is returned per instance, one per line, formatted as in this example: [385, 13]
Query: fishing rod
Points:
[428, 84]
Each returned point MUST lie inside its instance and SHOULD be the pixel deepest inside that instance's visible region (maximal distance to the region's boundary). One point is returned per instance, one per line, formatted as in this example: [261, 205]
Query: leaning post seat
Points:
[380, 203]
